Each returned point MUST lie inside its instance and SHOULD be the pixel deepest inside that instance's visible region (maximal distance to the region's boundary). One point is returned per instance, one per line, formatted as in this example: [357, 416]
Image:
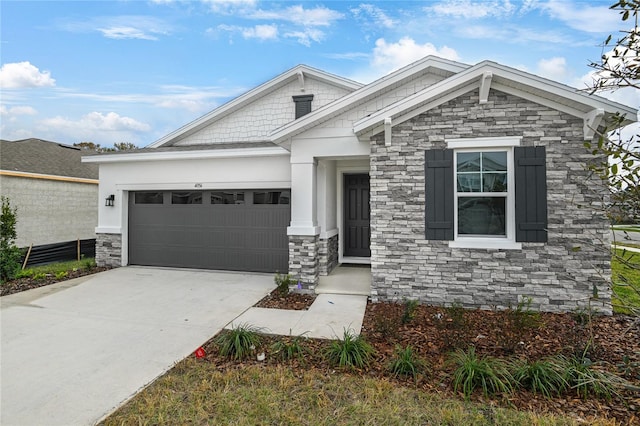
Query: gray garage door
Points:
[229, 230]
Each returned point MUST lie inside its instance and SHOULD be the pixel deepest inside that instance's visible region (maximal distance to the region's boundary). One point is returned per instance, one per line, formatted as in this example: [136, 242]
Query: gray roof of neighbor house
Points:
[44, 157]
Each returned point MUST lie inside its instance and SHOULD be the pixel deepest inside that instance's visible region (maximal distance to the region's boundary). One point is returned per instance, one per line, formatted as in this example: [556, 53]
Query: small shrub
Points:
[490, 374]
[453, 327]
[542, 376]
[406, 363]
[289, 348]
[517, 323]
[282, 283]
[409, 313]
[387, 326]
[39, 276]
[25, 273]
[352, 351]
[239, 342]
[61, 275]
[580, 374]
[89, 263]
[10, 254]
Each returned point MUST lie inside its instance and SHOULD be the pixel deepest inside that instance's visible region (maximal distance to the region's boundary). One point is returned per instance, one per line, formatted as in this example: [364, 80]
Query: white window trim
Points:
[507, 242]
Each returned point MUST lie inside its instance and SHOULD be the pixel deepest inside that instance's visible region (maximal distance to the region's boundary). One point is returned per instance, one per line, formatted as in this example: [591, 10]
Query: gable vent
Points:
[303, 104]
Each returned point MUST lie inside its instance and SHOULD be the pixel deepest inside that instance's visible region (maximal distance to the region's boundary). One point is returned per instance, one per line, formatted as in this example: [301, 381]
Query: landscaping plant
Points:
[10, 254]
[406, 363]
[239, 342]
[472, 372]
[288, 348]
[282, 283]
[409, 313]
[580, 374]
[542, 376]
[352, 351]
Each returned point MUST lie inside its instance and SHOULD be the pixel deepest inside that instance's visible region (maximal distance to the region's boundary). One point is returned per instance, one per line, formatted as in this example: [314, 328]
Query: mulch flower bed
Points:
[292, 301]
[23, 284]
[433, 332]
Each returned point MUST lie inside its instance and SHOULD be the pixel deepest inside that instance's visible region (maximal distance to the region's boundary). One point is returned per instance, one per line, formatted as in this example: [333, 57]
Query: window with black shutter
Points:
[303, 104]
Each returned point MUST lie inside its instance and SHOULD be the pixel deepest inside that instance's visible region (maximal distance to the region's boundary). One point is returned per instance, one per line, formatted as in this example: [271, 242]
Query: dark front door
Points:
[356, 216]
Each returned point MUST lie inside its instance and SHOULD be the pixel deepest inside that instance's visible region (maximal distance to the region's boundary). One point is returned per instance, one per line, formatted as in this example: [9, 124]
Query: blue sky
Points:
[133, 71]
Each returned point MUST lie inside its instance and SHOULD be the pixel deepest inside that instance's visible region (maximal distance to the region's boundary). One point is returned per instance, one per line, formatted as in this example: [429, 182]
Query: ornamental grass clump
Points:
[472, 372]
[289, 348]
[352, 351]
[580, 374]
[239, 342]
[543, 376]
[407, 363]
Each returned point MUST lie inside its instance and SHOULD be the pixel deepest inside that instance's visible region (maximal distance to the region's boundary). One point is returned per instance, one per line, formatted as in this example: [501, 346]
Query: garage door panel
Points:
[242, 237]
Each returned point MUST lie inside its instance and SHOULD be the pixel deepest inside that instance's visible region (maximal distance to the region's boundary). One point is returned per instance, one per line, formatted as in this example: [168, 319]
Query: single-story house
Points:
[456, 183]
[54, 192]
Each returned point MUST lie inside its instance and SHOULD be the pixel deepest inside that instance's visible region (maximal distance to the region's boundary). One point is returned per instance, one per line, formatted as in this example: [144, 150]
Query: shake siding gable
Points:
[405, 264]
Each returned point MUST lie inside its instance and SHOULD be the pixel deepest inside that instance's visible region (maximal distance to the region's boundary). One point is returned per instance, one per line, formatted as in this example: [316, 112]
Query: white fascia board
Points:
[283, 133]
[187, 155]
[253, 94]
[453, 83]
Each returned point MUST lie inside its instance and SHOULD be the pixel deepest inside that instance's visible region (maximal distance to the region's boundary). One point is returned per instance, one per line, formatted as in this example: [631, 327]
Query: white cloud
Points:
[21, 75]
[230, 6]
[378, 16]
[319, 16]
[387, 57]
[126, 33]
[513, 34]
[123, 27]
[306, 36]
[17, 110]
[553, 68]
[581, 16]
[473, 10]
[392, 56]
[260, 32]
[96, 121]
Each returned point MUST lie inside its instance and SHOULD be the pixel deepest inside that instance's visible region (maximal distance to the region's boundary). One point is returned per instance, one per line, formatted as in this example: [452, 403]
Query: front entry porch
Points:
[346, 279]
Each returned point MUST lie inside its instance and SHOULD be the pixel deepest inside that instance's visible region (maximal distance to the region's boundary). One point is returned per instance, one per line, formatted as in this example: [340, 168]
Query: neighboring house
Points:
[56, 195]
[456, 183]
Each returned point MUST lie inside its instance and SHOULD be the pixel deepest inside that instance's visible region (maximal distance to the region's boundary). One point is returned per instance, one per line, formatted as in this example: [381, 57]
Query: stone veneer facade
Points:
[559, 275]
[109, 250]
[304, 261]
[328, 254]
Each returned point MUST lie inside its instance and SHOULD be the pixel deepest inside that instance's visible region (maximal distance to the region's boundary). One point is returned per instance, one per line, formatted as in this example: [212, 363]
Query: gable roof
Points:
[298, 72]
[488, 74]
[44, 157]
[434, 64]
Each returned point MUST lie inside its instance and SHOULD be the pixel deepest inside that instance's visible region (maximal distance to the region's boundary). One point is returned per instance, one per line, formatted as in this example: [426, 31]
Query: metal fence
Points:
[59, 252]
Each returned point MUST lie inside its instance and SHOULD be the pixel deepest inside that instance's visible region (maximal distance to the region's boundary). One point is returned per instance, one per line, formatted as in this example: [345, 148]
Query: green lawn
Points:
[628, 228]
[625, 275]
[196, 392]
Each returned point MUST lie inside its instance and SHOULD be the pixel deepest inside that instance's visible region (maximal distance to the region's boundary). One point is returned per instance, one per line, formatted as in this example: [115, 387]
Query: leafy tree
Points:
[9, 254]
[618, 154]
[118, 146]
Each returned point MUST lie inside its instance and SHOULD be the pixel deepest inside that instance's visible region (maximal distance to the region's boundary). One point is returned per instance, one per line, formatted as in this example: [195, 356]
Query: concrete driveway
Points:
[72, 352]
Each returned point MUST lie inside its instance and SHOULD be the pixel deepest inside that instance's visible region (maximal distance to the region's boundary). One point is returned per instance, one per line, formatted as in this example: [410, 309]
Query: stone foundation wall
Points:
[328, 254]
[109, 250]
[559, 275]
[303, 260]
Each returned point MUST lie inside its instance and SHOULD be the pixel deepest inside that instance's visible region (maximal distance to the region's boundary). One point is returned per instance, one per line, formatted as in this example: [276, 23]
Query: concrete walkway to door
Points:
[72, 352]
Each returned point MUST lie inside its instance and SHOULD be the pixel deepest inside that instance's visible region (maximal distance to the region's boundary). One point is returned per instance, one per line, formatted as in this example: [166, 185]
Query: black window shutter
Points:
[303, 104]
[438, 166]
[531, 194]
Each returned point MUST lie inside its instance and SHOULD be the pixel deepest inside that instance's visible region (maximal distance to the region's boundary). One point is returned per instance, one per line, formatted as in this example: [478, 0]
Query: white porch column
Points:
[304, 217]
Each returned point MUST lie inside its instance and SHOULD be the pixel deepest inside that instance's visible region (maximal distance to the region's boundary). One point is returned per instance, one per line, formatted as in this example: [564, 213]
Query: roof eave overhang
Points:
[489, 74]
[186, 155]
[282, 136]
[250, 96]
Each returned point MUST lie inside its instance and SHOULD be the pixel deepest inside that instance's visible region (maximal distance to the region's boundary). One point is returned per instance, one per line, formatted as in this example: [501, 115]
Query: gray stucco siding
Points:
[559, 275]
